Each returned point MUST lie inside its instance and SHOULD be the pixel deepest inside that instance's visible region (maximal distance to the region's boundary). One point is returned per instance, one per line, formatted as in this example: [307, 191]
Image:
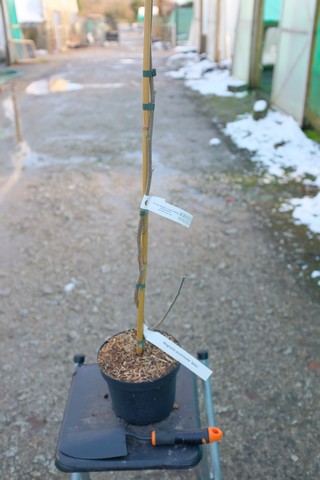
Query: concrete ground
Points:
[69, 205]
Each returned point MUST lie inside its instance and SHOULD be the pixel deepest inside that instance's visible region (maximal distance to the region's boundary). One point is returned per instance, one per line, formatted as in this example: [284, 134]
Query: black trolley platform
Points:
[89, 408]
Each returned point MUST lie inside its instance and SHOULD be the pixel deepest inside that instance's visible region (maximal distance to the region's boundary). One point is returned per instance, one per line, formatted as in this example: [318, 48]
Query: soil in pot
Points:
[142, 388]
[117, 358]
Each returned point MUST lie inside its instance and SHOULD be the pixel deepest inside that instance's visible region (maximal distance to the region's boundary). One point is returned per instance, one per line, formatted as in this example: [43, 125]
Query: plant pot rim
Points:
[124, 382]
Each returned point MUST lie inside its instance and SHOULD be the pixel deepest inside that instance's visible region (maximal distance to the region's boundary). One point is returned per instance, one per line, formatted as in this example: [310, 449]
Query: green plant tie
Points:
[140, 286]
[141, 344]
[143, 213]
[148, 106]
[149, 73]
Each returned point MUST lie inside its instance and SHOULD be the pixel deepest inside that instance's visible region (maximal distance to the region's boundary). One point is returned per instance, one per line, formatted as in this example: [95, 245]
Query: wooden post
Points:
[217, 32]
[200, 26]
[256, 45]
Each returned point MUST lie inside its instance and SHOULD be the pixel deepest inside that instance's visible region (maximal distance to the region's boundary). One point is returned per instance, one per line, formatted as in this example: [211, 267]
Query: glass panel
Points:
[297, 15]
[204, 17]
[242, 46]
[16, 31]
[227, 26]
[291, 70]
[272, 11]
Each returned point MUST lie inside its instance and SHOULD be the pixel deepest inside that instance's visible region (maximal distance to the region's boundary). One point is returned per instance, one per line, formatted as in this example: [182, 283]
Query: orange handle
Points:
[214, 434]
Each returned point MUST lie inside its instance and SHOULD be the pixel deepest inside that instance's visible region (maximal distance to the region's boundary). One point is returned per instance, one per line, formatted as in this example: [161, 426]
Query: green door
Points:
[313, 98]
[16, 31]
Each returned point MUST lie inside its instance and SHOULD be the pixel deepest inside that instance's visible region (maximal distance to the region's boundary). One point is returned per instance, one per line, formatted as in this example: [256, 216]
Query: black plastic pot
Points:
[141, 403]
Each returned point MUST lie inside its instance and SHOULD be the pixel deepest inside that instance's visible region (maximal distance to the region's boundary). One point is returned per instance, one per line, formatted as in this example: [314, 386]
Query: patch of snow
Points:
[279, 143]
[260, 106]
[285, 207]
[204, 76]
[69, 287]
[193, 70]
[307, 212]
[184, 55]
[215, 141]
[185, 48]
[276, 140]
[227, 63]
[213, 83]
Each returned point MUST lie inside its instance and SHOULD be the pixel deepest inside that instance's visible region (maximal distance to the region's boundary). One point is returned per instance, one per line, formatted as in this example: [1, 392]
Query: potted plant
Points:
[140, 376]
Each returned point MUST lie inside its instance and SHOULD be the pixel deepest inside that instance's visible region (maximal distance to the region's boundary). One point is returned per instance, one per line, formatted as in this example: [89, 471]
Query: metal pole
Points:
[209, 405]
[79, 360]
[80, 476]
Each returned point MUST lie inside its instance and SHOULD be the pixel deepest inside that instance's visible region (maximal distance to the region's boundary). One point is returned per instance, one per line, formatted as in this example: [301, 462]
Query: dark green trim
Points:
[148, 106]
[149, 73]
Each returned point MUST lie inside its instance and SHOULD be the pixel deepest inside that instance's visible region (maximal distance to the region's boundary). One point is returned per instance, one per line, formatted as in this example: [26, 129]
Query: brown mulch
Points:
[118, 359]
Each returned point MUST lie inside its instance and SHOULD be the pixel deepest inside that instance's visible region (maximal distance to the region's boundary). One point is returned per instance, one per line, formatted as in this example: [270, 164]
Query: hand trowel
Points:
[111, 442]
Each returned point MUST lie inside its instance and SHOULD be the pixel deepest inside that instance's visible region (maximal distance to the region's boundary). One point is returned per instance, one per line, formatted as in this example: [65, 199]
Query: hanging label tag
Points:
[177, 353]
[161, 207]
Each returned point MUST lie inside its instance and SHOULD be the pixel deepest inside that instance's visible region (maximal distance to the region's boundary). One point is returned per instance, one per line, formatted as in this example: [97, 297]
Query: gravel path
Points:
[69, 201]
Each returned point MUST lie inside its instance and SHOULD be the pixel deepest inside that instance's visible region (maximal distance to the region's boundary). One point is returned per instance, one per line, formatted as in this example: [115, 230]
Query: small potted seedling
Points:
[142, 377]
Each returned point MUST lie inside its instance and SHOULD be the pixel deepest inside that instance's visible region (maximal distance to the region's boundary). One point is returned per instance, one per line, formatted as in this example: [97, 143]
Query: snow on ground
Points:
[202, 75]
[276, 140]
[306, 210]
[214, 141]
[279, 143]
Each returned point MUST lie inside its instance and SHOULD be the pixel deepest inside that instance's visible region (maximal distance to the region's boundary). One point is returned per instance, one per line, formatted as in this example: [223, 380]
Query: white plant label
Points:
[161, 207]
[177, 353]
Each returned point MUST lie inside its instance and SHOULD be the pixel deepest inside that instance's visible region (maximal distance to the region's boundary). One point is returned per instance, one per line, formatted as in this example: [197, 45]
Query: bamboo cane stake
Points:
[146, 153]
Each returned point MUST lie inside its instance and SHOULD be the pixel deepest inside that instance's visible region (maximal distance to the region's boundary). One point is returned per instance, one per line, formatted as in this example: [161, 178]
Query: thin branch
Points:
[171, 306]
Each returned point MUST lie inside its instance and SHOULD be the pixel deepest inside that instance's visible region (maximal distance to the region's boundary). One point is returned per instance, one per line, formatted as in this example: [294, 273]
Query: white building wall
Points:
[194, 37]
[226, 24]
